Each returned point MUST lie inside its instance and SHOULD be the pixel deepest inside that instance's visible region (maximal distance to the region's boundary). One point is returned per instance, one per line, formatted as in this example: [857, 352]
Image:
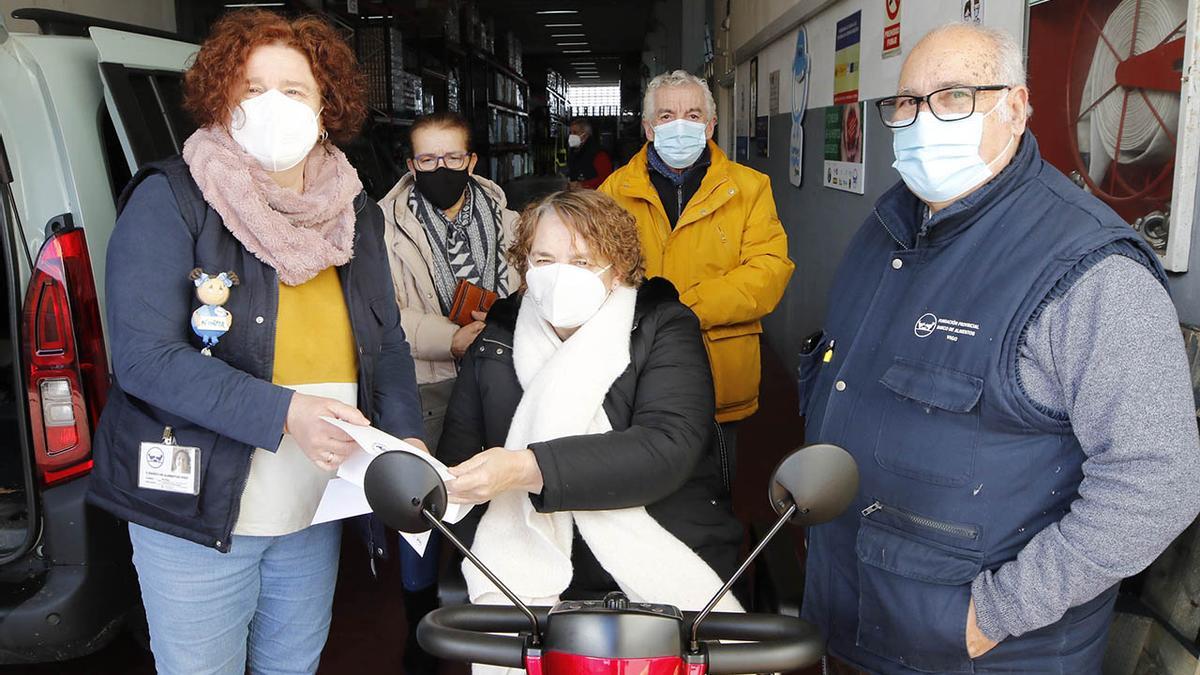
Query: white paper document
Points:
[344, 496]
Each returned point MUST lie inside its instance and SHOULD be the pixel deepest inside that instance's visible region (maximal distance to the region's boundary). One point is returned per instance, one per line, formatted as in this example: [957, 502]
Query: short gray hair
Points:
[1007, 58]
[677, 78]
[584, 124]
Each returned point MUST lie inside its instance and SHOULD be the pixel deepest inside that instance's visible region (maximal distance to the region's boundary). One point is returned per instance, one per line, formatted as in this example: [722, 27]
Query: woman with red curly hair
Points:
[249, 301]
[592, 392]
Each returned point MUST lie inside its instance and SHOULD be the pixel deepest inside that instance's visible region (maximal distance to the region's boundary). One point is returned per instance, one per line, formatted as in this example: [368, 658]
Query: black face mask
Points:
[442, 187]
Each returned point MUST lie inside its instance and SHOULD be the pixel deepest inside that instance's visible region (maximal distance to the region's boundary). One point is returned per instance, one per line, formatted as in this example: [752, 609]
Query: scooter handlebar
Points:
[773, 643]
[463, 633]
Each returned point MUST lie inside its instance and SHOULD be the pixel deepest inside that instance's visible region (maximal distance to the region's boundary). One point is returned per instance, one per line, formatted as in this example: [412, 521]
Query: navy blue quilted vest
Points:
[959, 468]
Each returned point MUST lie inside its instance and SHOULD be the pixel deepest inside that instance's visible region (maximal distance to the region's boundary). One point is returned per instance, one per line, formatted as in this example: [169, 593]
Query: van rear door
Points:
[143, 77]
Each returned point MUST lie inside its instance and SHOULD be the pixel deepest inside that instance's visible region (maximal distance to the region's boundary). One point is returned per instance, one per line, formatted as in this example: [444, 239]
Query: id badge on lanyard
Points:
[169, 467]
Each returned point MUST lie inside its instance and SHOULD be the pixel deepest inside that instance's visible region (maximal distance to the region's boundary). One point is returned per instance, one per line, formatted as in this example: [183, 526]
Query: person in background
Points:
[588, 165]
[234, 577]
[591, 392]
[444, 225]
[1002, 358]
[709, 226]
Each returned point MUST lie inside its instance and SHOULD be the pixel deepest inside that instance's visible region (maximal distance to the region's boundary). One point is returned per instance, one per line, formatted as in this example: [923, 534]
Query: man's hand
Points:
[463, 337]
[418, 444]
[978, 644]
[493, 472]
[325, 445]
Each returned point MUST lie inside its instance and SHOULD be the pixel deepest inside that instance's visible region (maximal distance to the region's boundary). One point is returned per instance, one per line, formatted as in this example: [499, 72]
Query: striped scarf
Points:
[465, 247]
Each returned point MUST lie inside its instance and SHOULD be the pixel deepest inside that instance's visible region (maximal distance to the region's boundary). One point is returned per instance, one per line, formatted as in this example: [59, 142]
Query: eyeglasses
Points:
[451, 160]
[948, 105]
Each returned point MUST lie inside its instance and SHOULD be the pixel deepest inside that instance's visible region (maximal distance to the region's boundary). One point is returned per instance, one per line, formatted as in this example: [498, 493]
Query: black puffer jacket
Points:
[659, 453]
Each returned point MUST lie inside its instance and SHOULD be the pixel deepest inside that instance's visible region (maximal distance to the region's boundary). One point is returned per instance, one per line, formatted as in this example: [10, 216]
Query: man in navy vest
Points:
[1003, 360]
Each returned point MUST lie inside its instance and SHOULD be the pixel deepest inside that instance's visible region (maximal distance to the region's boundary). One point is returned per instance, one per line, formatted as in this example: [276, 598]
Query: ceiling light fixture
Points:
[577, 51]
[572, 44]
[564, 25]
[558, 11]
[558, 35]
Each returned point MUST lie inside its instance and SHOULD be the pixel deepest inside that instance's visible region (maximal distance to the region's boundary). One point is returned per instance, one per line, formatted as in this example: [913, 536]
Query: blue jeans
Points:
[266, 604]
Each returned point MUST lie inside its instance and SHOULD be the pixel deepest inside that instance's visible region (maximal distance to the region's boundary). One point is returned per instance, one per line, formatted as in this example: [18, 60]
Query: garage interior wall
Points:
[820, 221]
[150, 13]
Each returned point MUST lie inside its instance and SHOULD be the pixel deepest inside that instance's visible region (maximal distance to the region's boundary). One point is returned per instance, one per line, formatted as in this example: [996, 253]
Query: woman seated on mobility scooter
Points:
[582, 418]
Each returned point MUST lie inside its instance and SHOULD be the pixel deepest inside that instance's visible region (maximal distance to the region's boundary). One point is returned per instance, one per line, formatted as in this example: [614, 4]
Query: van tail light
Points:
[64, 357]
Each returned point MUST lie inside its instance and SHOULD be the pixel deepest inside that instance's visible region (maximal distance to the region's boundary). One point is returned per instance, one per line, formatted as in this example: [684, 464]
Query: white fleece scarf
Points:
[565, 384]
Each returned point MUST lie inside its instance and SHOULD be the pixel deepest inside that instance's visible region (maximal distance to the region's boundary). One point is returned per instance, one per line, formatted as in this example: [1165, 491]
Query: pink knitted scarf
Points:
[298, 234]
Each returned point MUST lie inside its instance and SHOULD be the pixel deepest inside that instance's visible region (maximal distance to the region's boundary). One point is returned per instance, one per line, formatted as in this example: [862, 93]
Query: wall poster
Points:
[973, 11]
[891, 28]
[847, 59]
[773, 93]
[845, 148]
[762, 135]
[753, 93]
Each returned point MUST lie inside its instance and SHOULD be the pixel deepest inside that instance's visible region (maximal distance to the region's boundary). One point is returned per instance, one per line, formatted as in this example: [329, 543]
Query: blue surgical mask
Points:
[680, 142]
[939, 160]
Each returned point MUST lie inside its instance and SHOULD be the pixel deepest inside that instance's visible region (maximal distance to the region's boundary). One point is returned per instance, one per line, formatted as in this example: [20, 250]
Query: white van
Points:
[82, 104]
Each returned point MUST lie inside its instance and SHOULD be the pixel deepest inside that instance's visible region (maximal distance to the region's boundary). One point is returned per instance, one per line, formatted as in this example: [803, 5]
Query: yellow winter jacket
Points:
[727, 256]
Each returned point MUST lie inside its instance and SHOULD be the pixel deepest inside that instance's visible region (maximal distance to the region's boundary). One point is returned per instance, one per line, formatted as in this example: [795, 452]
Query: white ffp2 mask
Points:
[276, 130]
[566, 296]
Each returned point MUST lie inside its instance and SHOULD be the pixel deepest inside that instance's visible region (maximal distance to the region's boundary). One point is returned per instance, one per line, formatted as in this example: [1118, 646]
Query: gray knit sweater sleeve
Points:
[1109, 354]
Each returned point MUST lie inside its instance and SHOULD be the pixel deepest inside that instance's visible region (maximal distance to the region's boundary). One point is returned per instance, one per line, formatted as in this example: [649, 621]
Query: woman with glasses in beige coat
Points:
[444, 225]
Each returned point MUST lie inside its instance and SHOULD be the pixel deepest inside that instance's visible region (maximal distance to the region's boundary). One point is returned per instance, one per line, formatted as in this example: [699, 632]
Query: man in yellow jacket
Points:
[708, 225]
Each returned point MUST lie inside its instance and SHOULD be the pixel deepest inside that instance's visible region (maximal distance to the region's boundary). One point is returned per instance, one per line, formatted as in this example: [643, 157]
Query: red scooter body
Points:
[587, 665]
[612, 637]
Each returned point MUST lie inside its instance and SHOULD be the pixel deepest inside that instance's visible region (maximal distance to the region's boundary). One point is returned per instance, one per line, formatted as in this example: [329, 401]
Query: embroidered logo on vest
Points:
[929, 323]
[925, 325]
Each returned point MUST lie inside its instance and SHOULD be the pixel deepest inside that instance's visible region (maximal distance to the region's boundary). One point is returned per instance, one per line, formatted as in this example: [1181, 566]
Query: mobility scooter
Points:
[615, 636]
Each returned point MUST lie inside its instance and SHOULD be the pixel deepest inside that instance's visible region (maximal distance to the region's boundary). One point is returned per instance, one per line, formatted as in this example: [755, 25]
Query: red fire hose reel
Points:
[1122, 86]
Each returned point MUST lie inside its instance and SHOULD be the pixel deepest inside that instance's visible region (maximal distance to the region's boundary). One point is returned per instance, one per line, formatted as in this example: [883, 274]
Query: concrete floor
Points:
[367, 635]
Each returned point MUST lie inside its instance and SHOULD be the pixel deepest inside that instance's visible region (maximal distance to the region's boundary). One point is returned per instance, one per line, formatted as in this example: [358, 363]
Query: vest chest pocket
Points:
[929, 428]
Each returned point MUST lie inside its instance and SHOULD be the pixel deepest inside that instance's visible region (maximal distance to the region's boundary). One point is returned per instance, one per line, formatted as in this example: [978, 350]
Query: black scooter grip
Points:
[774, 643]
[463, 633]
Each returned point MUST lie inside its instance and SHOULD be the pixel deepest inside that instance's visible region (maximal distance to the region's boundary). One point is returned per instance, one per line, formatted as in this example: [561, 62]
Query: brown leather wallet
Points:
[470, 298]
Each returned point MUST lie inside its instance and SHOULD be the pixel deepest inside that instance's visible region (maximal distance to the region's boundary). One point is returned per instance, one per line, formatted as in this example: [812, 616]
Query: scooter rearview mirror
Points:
[811, 485]
[400, 486]
[408, 495]
[821, 480]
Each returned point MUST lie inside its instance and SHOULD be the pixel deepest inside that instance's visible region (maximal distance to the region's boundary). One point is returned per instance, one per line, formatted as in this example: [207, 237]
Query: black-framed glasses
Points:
[454, 161]
[948, 105]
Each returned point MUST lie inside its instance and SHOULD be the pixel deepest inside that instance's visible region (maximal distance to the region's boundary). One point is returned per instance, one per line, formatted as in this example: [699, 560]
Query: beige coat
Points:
[429, 332]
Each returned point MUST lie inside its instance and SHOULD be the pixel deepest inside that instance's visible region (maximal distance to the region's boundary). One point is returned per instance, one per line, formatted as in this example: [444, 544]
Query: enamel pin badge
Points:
[211, 321]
